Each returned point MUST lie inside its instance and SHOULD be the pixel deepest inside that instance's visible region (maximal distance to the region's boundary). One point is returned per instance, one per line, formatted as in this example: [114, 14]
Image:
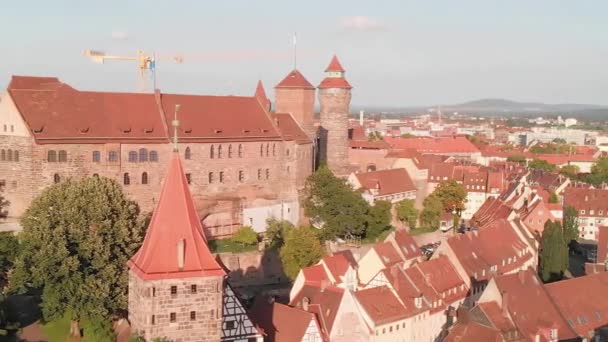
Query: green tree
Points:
[9, 249]
[560, 141]
[379, 219]
[407, 135]
[452, 195]
[276, 231]
[539, 164]
[302, 248]
[553, 198]
[554, 253]
[517, 158]
[406, 212]
[3, 202]
[246, 236]
[375, 136]
[599, 172]
[570, 171]
[431, 213]
[77, 238]
[342, 211]
[570, 224]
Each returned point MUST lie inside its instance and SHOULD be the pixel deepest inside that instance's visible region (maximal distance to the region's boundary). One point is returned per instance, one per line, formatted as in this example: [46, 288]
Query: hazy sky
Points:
[395, 52]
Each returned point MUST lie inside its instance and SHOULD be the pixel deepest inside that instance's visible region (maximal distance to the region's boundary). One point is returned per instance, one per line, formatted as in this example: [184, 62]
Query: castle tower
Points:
[176, 286]
[295, 95]
[334, 98]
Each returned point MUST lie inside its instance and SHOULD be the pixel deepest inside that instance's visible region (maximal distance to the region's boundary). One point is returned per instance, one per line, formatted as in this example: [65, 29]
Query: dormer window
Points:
[418, 302]
[126, 130]
[38, 129]
[148, 130]
[246, 131]
[217, 131]
[84, 130]
[188, 130]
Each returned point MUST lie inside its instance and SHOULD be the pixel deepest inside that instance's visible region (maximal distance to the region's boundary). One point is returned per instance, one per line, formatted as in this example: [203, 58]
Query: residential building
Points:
[393, 185]
[592, 208]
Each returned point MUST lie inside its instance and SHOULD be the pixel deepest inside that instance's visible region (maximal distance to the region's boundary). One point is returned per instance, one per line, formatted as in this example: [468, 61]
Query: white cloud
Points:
[360, 23]
[120, 35]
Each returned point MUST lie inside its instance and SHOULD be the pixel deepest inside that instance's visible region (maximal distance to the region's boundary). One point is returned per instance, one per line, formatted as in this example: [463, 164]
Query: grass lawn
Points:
[422, 230]
[227, 245]
[58, 330]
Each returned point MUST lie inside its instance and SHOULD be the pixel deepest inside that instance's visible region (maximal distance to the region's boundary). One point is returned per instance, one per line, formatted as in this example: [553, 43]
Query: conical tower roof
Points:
[175, 246]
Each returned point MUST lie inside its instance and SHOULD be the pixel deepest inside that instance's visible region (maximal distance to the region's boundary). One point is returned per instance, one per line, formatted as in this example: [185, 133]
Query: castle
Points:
[243, 161]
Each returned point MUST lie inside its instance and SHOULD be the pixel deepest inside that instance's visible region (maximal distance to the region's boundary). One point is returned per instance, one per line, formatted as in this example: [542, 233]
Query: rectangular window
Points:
[96, 156]
[221, 176]
[173, 290]
[172, 317]
[193, 288]
[189, 178]
[259, 174]
[154, 292]
[152, 320]
[192, 315]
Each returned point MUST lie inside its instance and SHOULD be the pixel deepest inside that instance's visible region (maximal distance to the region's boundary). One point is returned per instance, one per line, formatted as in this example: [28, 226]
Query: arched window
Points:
[210, 178]
[126, 180]
[56, 178]
[144, 178]
[230, 151]
[274, 149]
[261, 150]
[221, 176]
[51, 156]
[267, 150]
[212, 152]
[143, 155]
[219, 152]
[16, 155]
[187, 154]
[113, 156]
[63, 156]
[153, 156]
[9, 155]
[267, 173]
[96, 156]
[241, 176]
[133, 157]
[96, 175]
[240, 151]
[3, 155]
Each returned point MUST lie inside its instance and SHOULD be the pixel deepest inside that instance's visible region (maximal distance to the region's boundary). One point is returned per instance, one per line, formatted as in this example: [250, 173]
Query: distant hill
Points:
[508, 106]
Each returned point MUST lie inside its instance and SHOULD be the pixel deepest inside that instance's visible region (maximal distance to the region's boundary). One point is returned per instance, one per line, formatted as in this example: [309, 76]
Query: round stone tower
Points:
[334, 99]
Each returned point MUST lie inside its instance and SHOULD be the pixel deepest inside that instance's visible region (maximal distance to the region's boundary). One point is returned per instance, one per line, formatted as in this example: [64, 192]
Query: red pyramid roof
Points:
[174, 219]
[294, 79]
[335, 65]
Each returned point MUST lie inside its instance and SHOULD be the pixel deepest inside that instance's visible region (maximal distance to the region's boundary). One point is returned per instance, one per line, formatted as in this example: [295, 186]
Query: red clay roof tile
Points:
[295, 79]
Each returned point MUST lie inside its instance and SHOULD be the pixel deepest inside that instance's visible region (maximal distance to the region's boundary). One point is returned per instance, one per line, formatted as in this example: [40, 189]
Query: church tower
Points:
[334, 98]
[176, 286]
[295, 95]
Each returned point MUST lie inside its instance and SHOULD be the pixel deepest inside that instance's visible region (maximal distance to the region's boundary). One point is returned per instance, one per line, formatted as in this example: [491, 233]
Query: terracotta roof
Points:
[391, 181]
[337, 265]
[434, 145]
[405, 243]
[281, 322]
[174, 222]
[441, 274]
[58, 113]
[531, 308]
[497, 242]
[334, 82]
[323, 301]
[602, 244]
[368, 145]
[387, 253]
[315, 273]
[473, 332]
[334, 65]
[492, 209]
[590, 200]
[381, 304]
[582, 301]
[496, 316]
[290, 129]
[260, 94]
[294, 79]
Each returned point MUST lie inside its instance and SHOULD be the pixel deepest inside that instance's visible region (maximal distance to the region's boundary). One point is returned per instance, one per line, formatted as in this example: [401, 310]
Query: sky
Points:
[396, 53]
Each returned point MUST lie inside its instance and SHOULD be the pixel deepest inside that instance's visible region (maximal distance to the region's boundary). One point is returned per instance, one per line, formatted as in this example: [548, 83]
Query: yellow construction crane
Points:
[146, 64]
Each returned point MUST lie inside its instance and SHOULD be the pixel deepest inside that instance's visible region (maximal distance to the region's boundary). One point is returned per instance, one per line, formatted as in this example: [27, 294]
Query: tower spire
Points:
[175, 124]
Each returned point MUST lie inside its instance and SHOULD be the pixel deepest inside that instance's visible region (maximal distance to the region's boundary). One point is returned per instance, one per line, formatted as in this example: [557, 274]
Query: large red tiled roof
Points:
[58, 113]
[381, 304]
[531, 308]
[337, 265]
[387, 253]
[391, 181]
[441, 274]
[589, 200]
[323, 301]
[582, 301]
[290, 129]
[280, 322]
[406, 244]
[473, 332]
[455, 144]
[368, 145]
[316, 274]
[294, 79]
[174, 221]
[334, 65]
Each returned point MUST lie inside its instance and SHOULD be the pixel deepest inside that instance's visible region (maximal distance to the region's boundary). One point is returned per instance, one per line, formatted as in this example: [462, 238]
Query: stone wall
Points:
[335, 107]
[151, 305]
[300, 103]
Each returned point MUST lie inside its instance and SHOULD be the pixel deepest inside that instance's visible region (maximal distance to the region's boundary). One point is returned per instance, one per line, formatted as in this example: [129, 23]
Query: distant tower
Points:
[295, 95]
[334, 98]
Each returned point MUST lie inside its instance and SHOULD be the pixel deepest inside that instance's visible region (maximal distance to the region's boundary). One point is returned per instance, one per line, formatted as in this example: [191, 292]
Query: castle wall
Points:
[300, 102]
[335, 106]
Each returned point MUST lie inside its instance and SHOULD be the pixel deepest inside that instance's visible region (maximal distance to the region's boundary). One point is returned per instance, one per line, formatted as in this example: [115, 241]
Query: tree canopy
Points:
[3, 202]
[570, 171]
[276, 231]
[452, 195]
[517, 158]
[539, 164]
[379, 219]
[570, 224]
[406, 212]
[245, 236]
[77, 238]
[302, 248]
[599, 172]
[431, 213]
[553, 197]
[554, 253]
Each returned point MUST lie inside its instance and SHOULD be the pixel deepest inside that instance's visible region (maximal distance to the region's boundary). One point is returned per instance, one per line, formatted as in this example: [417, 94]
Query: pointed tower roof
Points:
[175, 235]
[335, 65]
[260, 95]
[295, 79]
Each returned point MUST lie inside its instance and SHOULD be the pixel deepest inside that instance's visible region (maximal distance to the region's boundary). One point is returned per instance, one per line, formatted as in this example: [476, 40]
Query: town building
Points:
[592, 208]
[393, 185]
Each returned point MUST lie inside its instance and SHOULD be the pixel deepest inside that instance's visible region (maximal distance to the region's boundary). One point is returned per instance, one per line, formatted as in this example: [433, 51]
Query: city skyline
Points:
[398, 54]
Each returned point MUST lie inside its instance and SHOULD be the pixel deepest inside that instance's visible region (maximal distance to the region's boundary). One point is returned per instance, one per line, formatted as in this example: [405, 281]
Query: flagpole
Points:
[295, 51]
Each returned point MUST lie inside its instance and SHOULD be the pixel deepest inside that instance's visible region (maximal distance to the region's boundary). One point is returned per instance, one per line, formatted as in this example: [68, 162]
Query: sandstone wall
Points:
[335, 106]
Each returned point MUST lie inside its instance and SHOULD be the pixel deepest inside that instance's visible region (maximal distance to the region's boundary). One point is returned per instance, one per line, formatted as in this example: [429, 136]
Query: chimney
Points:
[181, 254]
[505, 303]
[586, 198]
[305, 302]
